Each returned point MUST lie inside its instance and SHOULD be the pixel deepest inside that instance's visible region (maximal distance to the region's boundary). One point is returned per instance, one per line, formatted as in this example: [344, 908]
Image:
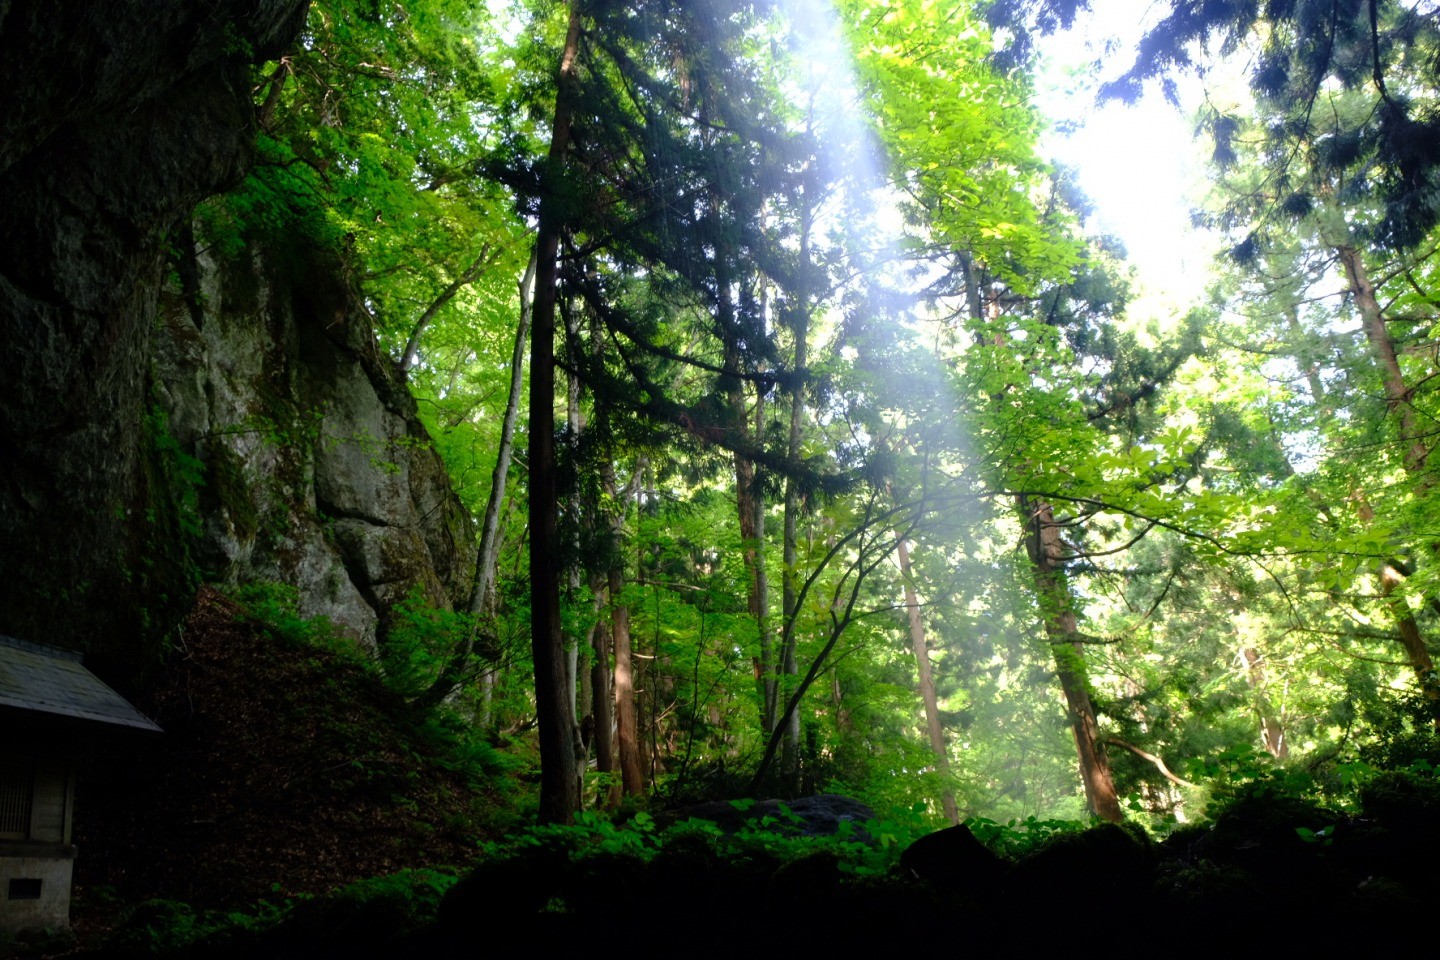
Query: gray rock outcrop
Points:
[236, 419]
[115, 120]
[314, 469]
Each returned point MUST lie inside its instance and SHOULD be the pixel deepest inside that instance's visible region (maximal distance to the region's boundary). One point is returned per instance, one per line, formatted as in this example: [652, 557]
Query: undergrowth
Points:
[366, 914]
[446, 738]
[869, 847]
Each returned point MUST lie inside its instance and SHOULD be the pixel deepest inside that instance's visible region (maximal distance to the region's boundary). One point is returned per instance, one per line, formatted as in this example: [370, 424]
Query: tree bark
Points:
[490, 527]
[559, 785]
[927, 685]
[627, 729]
[789, 666]
[871, 549]
[1410, 638]
[1397, 400]
[1272, 730]
[1047, 553]
[1057, 606]
[1397, 395]
[749, 498]
[750, 503]
[574, 424]
[627, 736]
[750, 506]
[603, 691]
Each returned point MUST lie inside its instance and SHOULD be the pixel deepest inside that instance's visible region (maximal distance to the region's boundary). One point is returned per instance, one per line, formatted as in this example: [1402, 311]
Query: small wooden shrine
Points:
[50, 707]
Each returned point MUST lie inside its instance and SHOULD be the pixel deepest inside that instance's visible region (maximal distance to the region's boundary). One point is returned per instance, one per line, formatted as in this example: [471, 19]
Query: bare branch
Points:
[1149, 758]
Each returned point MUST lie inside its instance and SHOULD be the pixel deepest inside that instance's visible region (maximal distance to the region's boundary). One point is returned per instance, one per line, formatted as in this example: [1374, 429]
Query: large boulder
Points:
[954, 861]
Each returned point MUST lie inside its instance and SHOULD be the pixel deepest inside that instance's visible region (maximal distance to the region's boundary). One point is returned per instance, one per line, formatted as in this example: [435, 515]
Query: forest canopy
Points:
[844, 462]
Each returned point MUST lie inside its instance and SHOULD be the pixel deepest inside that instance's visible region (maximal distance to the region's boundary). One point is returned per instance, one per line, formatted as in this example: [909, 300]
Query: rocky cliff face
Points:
[314, 469]
[116, 119]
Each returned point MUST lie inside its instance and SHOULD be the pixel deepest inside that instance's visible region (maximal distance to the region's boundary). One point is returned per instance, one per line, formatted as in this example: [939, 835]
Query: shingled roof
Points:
[46, 680]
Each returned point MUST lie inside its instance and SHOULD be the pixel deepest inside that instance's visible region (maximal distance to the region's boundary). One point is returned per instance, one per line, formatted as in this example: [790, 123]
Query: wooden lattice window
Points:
[17, 796]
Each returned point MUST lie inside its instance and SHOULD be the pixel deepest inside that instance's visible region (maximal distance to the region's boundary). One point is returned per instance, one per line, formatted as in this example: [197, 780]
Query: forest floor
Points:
[284, 770]
[293, 806]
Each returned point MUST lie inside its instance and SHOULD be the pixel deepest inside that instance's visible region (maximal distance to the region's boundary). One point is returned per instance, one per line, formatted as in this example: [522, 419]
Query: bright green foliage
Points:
[1331, 443]
[365, 915]
[961, 138]
[276, 607]
[716, 211]
[1015, 838]
[867, 848]
[418, 641]
[371, 143]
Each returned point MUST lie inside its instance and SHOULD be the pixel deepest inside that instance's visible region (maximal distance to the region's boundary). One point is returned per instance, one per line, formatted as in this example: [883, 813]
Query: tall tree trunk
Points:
[749, 497]
[844, 720]
[789, 665]
[598, 693]
[559, 783]
[490, 527]
[1397, 399]
[927, 685]
[574, 424]
[1397, 395]
[627, 728]
[603, 691]
[584, 711]
[1272, 729]
[1047, 552]
[750, 506]
[974, 299]
[1411, 639]
[759, 600]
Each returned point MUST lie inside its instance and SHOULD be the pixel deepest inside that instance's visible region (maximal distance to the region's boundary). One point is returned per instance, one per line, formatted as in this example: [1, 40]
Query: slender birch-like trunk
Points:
[482, 588]
[927, 685]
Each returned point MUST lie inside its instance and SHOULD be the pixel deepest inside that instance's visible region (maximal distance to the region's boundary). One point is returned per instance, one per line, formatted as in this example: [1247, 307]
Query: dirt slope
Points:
[283, 770]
